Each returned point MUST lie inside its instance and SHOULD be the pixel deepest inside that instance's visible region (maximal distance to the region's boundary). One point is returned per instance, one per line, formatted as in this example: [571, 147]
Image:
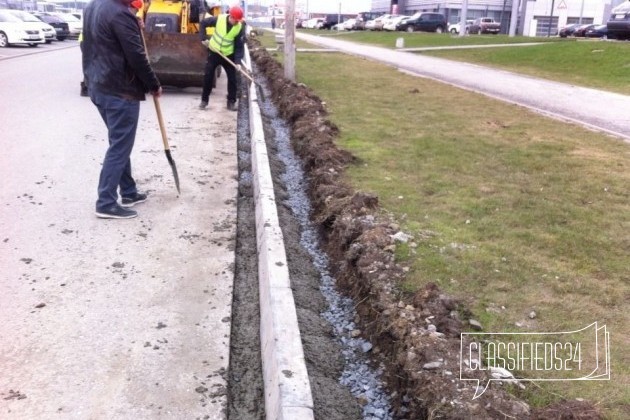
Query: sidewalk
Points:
[115, 319]
[599, 110]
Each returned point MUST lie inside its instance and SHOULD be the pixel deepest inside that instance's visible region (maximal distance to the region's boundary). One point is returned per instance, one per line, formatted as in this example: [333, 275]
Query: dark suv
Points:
[330, 21]
[61, 27]
[426, 22]
[619, 22]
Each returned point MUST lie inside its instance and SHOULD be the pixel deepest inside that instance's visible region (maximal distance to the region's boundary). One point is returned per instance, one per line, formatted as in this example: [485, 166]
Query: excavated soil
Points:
[422, 364]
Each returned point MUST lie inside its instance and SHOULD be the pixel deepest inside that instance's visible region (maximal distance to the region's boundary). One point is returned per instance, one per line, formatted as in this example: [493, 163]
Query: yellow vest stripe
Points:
[222, 40]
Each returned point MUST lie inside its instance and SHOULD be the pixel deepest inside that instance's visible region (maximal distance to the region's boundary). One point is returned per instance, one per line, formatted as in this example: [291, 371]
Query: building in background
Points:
[536, 17]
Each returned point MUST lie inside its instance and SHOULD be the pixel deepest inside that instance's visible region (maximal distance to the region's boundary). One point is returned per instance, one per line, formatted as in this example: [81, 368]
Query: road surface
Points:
[111, 318]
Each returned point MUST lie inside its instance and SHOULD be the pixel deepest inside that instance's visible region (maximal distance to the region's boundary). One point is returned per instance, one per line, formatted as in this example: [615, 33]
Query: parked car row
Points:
[22, 27]
[421, 21]
[586, 30]
[14, 30]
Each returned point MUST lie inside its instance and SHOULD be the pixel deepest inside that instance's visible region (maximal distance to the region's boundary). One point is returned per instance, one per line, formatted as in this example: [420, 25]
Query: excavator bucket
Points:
[177, 59]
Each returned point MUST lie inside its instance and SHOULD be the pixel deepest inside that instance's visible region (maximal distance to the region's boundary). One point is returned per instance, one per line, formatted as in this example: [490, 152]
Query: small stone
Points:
[365, 347]
[401, 237]
[532, 315]
[432, 365]
[390, 248]
[476, 325]
[355, 333]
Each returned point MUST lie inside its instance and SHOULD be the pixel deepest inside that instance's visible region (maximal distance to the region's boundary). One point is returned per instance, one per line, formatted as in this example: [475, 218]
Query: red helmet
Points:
[236, 13]
[137, 4]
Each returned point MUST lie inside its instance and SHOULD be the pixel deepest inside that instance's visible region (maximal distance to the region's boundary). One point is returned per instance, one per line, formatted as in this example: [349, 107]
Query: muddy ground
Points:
[324, 363]
[416, 336]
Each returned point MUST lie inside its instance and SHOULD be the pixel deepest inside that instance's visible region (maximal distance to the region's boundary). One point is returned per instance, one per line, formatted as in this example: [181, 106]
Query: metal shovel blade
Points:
[167, 149]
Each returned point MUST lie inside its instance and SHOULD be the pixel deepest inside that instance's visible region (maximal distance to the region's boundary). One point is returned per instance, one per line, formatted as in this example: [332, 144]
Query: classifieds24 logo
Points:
[580, 355]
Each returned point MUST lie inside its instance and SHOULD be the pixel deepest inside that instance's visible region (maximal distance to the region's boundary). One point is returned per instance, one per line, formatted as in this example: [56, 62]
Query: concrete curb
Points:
[287, 387]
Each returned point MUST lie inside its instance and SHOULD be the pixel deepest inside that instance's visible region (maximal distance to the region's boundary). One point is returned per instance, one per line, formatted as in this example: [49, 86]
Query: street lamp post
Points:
[550, 18]
[289, 40]
[339, 17]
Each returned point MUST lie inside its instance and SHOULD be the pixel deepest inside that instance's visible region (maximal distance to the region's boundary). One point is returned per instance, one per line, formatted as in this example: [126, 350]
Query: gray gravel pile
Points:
[358, 375]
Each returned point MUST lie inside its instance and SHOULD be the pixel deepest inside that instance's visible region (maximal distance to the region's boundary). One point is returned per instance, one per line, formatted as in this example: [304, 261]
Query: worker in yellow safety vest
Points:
[226, 48]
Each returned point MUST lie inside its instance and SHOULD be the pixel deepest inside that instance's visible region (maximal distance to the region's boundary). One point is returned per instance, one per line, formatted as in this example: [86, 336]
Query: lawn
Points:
[510, 211]
[590, 63]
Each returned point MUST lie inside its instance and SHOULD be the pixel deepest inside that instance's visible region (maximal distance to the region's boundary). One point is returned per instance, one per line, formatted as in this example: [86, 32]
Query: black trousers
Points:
[215, 60]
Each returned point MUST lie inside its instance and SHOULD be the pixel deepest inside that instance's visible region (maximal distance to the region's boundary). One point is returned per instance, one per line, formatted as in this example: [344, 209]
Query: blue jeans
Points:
[121, 118]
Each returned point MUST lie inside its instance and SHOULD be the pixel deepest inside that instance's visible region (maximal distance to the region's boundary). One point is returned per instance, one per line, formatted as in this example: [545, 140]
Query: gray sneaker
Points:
[203, 104]
[115, 212]
[132, 200]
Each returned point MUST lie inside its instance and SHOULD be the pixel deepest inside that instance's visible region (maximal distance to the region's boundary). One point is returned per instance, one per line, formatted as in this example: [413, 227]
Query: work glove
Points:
[205, 43]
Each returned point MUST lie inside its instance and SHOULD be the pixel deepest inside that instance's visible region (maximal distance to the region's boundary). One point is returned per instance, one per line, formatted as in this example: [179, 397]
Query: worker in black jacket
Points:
[225, 48]
[118, 76]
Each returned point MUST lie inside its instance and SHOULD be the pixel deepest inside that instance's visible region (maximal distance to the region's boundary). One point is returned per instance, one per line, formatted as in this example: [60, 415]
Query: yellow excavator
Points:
[171, 31]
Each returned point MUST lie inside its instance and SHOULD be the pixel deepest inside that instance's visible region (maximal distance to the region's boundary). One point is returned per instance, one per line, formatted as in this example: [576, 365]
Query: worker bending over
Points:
[226, 44]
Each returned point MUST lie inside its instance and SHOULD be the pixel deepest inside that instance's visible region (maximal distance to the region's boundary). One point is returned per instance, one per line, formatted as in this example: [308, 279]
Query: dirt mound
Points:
[416, 336]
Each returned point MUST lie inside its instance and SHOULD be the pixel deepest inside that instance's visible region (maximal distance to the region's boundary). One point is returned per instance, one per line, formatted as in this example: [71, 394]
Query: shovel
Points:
[158, 110]
[167, 150]
[243, 72]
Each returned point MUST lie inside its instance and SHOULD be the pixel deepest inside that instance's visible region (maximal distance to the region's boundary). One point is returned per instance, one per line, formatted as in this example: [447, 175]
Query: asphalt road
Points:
[21, 50]
[111, 318]
[599, 110]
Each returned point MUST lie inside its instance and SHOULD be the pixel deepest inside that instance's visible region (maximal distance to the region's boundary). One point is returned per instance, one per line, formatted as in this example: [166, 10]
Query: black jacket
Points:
[114, 60]
[239, 41]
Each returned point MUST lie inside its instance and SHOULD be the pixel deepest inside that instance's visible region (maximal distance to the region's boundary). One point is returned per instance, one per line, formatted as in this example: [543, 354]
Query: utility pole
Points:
[514, 18]
[462, 19]
[289, 40]
[550, 18]
[339, 17]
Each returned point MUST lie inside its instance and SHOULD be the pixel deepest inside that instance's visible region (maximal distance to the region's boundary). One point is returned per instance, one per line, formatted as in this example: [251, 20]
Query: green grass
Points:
[426, 39]
[589, 63]
[510, 211]
[596, 64]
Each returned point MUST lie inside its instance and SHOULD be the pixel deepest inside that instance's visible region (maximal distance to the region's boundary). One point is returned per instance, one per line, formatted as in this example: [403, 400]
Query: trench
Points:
[345, 383]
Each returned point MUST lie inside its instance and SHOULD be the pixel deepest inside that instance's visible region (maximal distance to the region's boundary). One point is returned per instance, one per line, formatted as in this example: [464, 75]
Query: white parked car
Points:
[349, 24]
[74, 24]
[377, 25]
[370, 25]
[390, 24]
[454, 27]
[14, 31]
[313, 23]
[48, 31]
